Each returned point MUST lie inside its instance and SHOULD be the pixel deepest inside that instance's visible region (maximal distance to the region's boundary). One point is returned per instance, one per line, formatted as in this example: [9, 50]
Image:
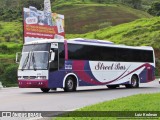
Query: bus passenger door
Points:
[61, 55]
[54, 63]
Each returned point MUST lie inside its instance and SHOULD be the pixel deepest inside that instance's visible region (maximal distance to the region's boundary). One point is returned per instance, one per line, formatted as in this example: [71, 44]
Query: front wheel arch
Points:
[73, 75]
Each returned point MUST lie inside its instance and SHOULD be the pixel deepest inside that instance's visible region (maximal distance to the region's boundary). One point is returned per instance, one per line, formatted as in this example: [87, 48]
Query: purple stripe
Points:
[94, 41]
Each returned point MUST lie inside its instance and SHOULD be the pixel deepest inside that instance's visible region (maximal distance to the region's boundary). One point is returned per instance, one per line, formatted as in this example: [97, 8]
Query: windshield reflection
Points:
[34, 60]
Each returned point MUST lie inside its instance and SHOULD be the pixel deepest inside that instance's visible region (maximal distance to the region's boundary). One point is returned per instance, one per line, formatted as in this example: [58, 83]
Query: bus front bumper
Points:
[33, 83]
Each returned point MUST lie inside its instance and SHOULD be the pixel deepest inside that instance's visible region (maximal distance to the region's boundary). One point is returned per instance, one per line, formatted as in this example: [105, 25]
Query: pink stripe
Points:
[66, 49]
[78, 68]
[144, 65]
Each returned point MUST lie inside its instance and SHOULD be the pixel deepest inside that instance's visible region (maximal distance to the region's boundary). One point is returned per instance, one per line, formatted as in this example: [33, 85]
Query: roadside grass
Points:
[141, 102]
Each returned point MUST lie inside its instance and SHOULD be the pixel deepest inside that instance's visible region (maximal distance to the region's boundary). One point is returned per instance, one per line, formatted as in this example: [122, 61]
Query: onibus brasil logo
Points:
[21, 114]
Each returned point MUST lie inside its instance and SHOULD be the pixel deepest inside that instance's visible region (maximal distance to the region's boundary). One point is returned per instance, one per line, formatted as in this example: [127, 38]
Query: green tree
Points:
[137, 4]
[155, 9]
[10, 76]
[36, 3]
[99, 1]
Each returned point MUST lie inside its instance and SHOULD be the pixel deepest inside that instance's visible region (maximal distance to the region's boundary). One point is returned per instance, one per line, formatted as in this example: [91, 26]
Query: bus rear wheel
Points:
[70, 84]
[134, 82]
[45, 90]
[112, 86]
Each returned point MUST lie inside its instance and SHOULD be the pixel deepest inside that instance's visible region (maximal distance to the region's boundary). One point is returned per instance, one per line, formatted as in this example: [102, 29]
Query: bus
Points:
[68, 64]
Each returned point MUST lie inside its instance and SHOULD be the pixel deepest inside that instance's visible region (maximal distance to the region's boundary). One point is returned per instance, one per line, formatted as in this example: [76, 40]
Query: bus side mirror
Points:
[52, 56]
[18, 57]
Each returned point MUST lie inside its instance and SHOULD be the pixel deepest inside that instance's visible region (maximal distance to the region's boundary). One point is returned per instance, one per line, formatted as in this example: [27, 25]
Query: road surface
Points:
[16, 99]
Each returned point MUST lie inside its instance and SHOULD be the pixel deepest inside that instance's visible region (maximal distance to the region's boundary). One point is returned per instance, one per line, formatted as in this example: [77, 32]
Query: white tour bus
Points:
[67, 64]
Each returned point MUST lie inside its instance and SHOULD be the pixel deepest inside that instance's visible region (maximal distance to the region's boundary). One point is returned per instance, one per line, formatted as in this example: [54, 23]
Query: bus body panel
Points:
[56, 79]
[88, 73]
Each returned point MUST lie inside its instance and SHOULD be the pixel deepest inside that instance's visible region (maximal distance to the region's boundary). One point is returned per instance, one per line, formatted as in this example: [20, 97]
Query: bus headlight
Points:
[41, 77]
[20, 77]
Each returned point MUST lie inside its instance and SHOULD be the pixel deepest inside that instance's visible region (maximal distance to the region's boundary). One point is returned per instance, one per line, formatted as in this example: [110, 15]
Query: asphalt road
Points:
[16, 99]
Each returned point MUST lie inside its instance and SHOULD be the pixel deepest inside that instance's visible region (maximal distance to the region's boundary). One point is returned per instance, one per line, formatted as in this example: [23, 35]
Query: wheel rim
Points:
[70, 84]
[134, 82]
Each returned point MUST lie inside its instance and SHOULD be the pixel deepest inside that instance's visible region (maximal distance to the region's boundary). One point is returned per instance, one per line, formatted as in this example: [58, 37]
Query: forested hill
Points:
[81, 16]
[12, 9]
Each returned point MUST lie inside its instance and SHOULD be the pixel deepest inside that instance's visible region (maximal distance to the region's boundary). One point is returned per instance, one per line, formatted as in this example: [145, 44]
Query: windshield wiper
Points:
[33, 61]
[25, 62]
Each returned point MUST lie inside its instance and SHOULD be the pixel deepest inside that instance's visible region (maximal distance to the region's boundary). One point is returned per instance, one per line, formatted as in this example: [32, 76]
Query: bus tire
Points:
[112, 86]
[128, 86]
[70, 84]
[134, 82]
[45, 90]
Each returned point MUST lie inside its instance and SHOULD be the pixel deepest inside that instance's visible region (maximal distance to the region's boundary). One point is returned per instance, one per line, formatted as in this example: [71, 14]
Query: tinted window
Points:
[133, 55]
[99, 53]
[108, 54]
[95, 53]
[125, 55]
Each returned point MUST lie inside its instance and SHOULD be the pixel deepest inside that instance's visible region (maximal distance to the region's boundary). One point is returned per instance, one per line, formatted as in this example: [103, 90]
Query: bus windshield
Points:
[36, 60]
[35, 57]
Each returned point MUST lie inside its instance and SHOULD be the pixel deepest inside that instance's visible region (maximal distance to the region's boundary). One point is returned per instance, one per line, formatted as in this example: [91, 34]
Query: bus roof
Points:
[44, 41]
[89, 42]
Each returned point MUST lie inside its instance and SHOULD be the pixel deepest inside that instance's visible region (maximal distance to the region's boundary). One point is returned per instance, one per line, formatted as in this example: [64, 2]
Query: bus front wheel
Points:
[45, 90]
[70, 84]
